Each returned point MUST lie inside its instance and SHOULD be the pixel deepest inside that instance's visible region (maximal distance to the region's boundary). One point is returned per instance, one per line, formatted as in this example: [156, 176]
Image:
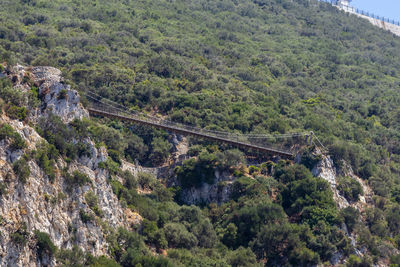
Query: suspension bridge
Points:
[281, 145]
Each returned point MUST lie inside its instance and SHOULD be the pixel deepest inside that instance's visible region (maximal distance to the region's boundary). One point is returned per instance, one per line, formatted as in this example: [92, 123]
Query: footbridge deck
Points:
[192, 132]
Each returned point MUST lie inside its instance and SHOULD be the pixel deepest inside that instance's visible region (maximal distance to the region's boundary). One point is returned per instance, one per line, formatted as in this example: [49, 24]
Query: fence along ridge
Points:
[360, 12]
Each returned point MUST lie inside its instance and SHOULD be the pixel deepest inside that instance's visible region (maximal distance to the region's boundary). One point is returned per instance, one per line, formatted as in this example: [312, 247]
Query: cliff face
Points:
[327, 170]
[49, 207]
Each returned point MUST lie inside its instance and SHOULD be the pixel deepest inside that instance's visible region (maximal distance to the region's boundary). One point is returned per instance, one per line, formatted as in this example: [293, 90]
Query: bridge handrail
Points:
[106, 107]
[219, 138]
[122, 109]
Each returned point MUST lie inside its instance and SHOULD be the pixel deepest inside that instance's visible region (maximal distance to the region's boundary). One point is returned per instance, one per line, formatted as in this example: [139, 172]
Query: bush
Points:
[193, 173]
[229, 158]
[18, 142]
[350, 188]
[110, 165]
[350, 217]
[178, 236]
[3, 189]
[20, 236]
[130, 181]
[85, 217]
[6, 131]
[160, 150]
[45, 156]
[62, 94]
[243, 257]
[240, 187]
[309, 160]
[44, 244]
[17, 113]
[80, 178]
[146, 180]
[9, 94]
[76, 179]
[21, 169]
[115, 156]
[92, 201]
[77, 258]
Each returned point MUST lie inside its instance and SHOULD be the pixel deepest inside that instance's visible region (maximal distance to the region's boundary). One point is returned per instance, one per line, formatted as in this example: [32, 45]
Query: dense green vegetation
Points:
[250, 66]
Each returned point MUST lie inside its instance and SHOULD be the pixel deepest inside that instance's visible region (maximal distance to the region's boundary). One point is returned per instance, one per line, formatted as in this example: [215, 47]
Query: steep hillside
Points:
[248, 66]
[43, 192]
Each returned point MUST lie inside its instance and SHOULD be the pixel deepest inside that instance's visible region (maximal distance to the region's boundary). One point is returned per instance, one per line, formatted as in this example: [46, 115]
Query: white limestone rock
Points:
[58, 98]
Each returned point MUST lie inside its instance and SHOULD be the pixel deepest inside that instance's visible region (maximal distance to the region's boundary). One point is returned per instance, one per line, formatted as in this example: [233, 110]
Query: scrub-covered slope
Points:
[249, 66]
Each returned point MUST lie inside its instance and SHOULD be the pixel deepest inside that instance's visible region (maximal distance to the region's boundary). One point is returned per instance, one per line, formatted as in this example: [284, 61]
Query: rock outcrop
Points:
[327, 170]
[58, 98]
[50, 206]
[217, 192]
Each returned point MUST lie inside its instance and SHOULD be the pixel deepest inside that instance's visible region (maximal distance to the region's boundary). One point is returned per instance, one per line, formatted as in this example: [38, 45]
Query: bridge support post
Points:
[310, 138]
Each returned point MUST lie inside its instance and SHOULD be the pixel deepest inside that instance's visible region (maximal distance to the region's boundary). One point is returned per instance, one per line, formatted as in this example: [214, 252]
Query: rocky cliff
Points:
[49, 206]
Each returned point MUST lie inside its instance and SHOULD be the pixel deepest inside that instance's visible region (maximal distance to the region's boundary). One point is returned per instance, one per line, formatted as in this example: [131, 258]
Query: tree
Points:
[160, 150]
[280, 244]
[243, 257]
[44, 244]
[178, 236]
[350, 216]
[350, 188]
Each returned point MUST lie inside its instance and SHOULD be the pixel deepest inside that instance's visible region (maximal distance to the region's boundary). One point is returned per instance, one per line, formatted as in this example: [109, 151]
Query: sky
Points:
[386, 8]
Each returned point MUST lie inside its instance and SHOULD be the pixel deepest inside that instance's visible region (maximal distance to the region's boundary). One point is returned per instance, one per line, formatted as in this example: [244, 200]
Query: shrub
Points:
[254, 169]
[83, 150]
[146, 180]
[160, 150]
[58, 134]
[243, 257]
[92, 201]
[240, 187]
[6, 131]
[193, 173]
[27, 79]
[229, 158]
[115, 156]
[85, 217]
[42, 155]
[21, 169]
[178, 236]
[62, 94]
[18, 142]
[9, 94]
[3, 189]
[44, 244]
[109, 165]
[130, 181]
[20, 236]
[80, 178]
[309, 160]
[350, 188]
[76, 179]
[17, 113]
[350, 217]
